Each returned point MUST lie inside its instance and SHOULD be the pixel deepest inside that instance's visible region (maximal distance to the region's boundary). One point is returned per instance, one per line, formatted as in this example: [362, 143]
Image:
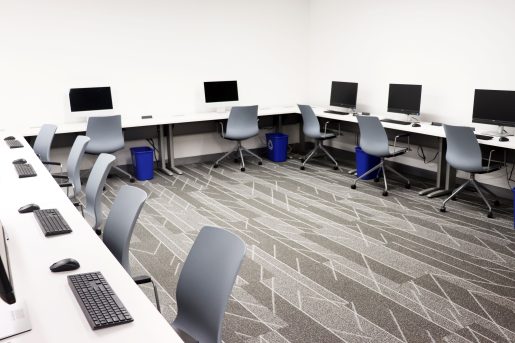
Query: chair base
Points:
[238, 150]
[318, 146]
[383, 168]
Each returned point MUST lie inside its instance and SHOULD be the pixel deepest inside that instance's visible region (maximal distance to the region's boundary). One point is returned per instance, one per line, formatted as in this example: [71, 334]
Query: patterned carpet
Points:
[329, 264]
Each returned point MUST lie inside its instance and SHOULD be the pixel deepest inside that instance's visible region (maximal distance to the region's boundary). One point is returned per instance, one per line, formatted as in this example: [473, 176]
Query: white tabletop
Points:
[55, 314]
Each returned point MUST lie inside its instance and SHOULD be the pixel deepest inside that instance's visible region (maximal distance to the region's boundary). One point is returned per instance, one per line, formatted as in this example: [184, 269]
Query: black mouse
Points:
[20, 161]
[415, 125]
[64, 265]
[503, 139]
[9, 138]
[28, 208]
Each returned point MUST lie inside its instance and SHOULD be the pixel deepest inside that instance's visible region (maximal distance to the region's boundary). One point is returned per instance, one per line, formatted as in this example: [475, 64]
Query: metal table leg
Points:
[171, 155]
[161, 162]
[445, 174]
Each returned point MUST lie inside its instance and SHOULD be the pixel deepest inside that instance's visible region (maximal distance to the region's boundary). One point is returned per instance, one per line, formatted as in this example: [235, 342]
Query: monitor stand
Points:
[501, 132]
[14, 318]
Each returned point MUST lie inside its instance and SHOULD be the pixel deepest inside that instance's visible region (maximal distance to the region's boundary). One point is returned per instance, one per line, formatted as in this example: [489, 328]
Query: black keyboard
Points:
[25, 170]
[336, 112]
[13, 143]
[393, 121]
[483, 137]
[97, 300]
[51, 222]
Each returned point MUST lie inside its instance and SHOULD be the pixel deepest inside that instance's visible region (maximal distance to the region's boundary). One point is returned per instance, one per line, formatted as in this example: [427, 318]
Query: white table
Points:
[55, 314]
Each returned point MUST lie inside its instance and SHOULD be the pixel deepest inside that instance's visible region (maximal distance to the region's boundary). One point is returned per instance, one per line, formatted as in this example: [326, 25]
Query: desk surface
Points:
[55, 314]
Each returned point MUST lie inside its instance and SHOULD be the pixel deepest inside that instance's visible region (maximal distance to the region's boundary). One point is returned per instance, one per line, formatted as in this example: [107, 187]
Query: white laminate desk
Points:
[55, 314]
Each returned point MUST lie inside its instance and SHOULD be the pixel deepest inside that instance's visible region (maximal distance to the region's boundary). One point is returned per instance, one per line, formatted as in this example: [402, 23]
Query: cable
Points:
[422, 155]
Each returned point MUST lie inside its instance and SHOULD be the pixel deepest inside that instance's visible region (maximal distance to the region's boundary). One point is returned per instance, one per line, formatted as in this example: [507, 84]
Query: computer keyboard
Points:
[336, 112]
[25, 170]
[393, 121]
[51, 222]
[483, 137]
[13, 143]
[97, 300]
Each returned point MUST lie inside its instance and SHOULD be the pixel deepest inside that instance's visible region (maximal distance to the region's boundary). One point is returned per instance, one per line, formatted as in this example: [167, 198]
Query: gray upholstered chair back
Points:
[310, 125]
[105, 133]
[43, 141]
[121, 221]
[94, 187]
[206, 282]
[73, 162]
[463, 151]
[242, 123]
[372, 136]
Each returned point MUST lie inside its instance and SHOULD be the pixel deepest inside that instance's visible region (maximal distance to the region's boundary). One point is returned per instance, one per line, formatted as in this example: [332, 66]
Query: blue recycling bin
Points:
[365, 162]
[513, 190]
[143, 162]
[277, 146]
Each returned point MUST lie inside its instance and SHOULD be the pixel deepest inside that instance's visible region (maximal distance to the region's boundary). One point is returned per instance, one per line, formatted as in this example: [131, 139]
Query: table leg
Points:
[161, 162]
[171, 155]
[444, 174]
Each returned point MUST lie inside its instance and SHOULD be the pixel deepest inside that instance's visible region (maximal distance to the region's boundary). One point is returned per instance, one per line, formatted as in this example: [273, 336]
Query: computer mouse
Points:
[415, 125]
[28, 208]
[9, 138]
[503, 139]
[64, 265]
[20, 161]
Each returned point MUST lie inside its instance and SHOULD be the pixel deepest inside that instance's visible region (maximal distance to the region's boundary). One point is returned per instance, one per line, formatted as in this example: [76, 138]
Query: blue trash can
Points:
[277, 145]
[365, 162]
[513, 190]
[143, 162]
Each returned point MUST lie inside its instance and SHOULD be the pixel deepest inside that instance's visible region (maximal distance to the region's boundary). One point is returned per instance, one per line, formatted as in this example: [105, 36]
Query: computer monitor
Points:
[404, 99]
[221, 91]
[90, 99]
[496, 107]
[6, 286]
[344, 94]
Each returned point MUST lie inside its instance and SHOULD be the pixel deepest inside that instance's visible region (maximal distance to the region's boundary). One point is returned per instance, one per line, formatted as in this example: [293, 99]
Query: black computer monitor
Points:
[344, 94]
[495, 107]
[6, 286]
[90, 99]
[221, 91]
[404, 99]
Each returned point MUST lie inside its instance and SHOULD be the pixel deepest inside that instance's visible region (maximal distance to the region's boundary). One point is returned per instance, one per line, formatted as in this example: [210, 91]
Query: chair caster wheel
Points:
[260, 163]
[335, 168]
[385, 193]
[408, 186]
[376, 179]
[236, 160]
[242, 169]
[98, 232]
[353, 186]
[496, 203]
[132, 180]
[302, 168]
[490, 214]
[442, 209]
[454, 198]
[215, 166]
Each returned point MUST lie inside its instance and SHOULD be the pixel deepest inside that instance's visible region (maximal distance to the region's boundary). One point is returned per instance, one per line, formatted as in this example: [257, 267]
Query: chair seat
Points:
[97, 147]
[239, 137]
[487, 169]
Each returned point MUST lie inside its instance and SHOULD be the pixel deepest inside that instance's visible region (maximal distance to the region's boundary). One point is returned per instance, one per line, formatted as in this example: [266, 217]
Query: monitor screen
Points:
[221, 91]
[6, 289]
[90, 99]
[495, 107]
[404, 98]
[344, 94]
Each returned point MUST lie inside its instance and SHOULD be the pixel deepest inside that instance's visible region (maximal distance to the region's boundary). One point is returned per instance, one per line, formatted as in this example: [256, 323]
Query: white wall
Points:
[450, 47]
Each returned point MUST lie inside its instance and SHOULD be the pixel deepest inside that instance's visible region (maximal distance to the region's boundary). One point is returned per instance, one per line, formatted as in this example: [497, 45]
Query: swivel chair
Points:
[464, 153]
[106, 137]
[205, 284]
[119, 227]
[43, 142]
[311, 128]
[373, 141]
[242, 124]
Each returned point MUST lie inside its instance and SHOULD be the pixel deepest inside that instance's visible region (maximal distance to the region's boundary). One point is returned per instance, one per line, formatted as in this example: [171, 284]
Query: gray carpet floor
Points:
[325, 263]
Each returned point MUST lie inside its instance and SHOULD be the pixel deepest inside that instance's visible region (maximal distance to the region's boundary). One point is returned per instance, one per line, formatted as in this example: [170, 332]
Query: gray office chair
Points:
[94, 187]
[311, 128]
[373, 141]
[119, 227]
[205, 284]
[106, 137]
[43, 142]
[464, 153]
[242, 124]
[72, 177]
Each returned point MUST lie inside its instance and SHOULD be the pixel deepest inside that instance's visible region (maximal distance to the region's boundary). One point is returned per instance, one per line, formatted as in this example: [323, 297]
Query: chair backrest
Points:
[105, 133]
[95, 186]
[463, 151]
[242, 123]
[310, 124]
[206, 282]
[372, 136]
[121, 221]
[73, 162]
[43, 141]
